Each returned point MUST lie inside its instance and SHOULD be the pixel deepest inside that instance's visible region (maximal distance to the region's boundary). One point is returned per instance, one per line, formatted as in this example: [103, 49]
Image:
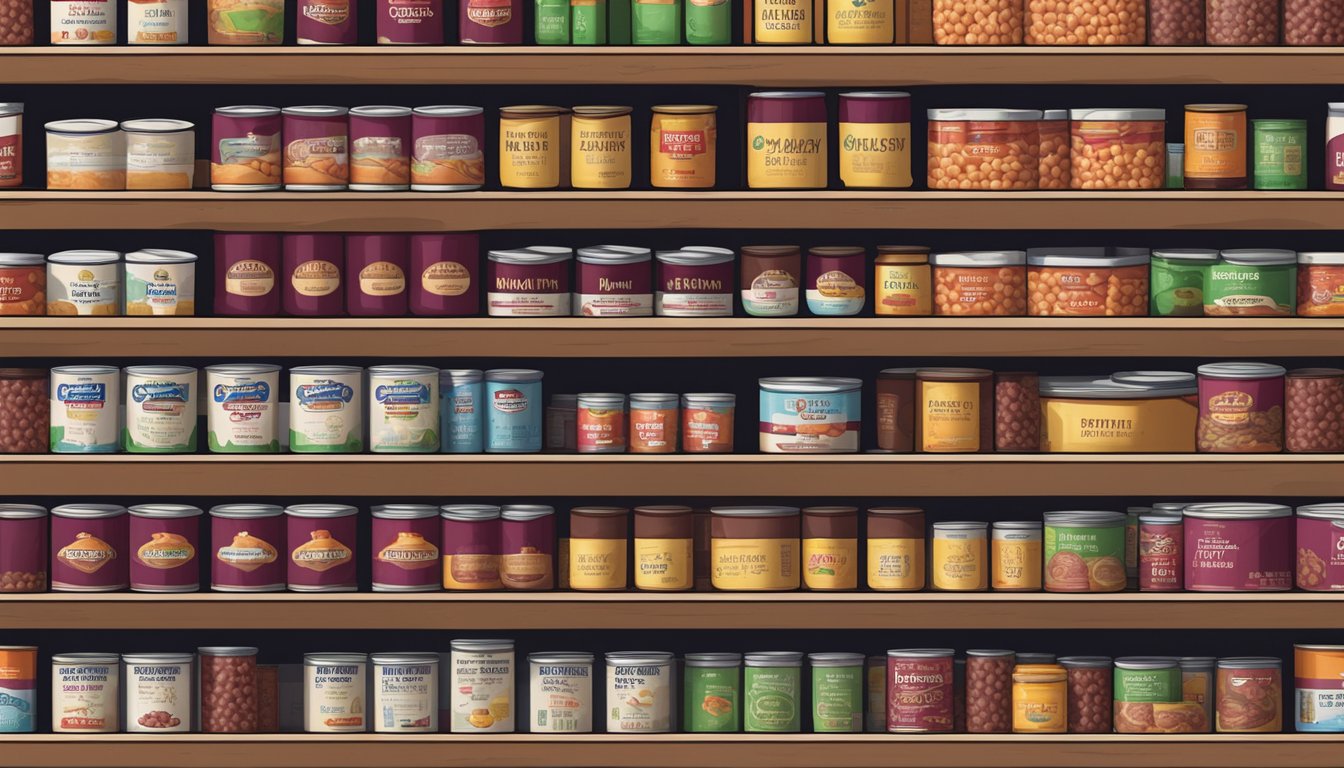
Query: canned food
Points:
[960, 560]
[683, 150]
[160, 409]
[406, 548]
[1250, 695]
[1138, 412]
[529, 282]
[771, 275]
[773, 692]
[84, 401]
[461, 410]
[1279, 152]
[786, 22]
[83, 283]
[1318, 678]
[246, 557]
[448, 153]
[160, 154]
[1161, 556]
[640, 692]
[156, 22]
[317, 148]
[1241, 408]
[159, 692]
[836, 280]
[1197, 685]
[245, 149]
[1215, 136]
[600, 153]
[1118, 148]
[160, 282]
[980, 283]
[903, 284]
[895, 539]
[1089, 693]
[85, 154]
[874, 133]
[85, 693]
[533, 146]
[241, 412]
[956, 410]
[561, 692]
[1256, 282]
[513, 418]
[755, 548]
[23, 284]
[1320, 547]
[24, 550]
[482, 686]
[1149, 698]
[405, 692]
[1016, 556]
[810, 415]
[1040, 695]
[984, 149]
[320, 540]
[403, 409]
[1085, 551]
[11, 113]
[1177, 281]
[380, 148]
[989, 687]
[334, 690]
[786, 139]
[228, 689]
[165, 539]
[326, 409]
[1238, 547]
[694, 282]
[18, 688]
[919, 690]
[707, 422]
[713, 693]
[1081, 282]
[527, 552]
[613, 281]
[1320, 284]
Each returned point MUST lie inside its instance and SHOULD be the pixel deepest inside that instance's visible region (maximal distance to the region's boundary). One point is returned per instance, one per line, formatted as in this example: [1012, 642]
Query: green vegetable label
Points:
[1177, 287]
[773, 694]
[1238, 289]
[1148, 685]
[1279, 154]
[712, 700]
[837, 699]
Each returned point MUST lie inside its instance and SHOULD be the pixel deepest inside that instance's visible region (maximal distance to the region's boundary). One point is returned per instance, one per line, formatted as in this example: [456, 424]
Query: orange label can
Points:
[601, 423]
[707, 422]
[18, 682]
[1215, 146]
[653, 423]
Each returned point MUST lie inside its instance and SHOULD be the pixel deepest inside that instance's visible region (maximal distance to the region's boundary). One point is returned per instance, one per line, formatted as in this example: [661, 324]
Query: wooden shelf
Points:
[685, 611]
[792, 66]
[674, 751]
[668, 337]
[759, 475]
[469, 211]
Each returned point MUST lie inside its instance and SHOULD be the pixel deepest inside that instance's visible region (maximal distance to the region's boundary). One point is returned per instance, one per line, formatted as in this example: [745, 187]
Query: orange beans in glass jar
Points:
[1087, 22]
[1054, 132]
[25, 413]
[981, 149]
[980, 283]
[1087, 282]
[1314, 405]
[1175, 22]
[1089, 693]
[1242, 22]
[1313, 22]
[1118, 149]
[977, 22]
[989, 691]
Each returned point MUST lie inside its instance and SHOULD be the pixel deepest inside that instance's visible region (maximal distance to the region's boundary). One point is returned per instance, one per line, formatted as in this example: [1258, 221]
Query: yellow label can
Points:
[1040, 703]
[895, 565]
[830, 564]
[904, 282]
[786, 140]
[783, 22]
[597, 564]
[600, 148]
[683, 143]
[663, 564]
[532, 146]
[860, 22]
[1015, 556]
[959, 557]
[747, 565]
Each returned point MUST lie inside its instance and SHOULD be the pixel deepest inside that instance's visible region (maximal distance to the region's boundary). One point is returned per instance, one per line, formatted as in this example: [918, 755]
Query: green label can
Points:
[1252, 282]
[588, 22]
[1177, 281]
[656, 22]
[709, 22]
[837, 692]
[1085, 551]
[773, 692]
[1280, 148]
[552, 22]
[1147, 679]
[713, 693]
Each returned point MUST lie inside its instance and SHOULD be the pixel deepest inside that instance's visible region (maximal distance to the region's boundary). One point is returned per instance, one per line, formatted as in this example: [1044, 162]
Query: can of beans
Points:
[84, 406]
[246, 541]
[1314, 409]
[380, 148]
[228, 689]
[406, 548]
[165, 539]
[980, 283]
[1089, 692]
[1250, 695]
[1161, 557]
[919, 690]
[1320, 547]
[317, 154]
[1243, 22]
[320, 539]
[89, 547]
[1017, 412]
[1241, 408]
[17, 27]
[159, 690]
[85, 693]
[23, 556]
[1016, 556]
[23, 396]
[245, 148]
[989, 683]
[1175, 22]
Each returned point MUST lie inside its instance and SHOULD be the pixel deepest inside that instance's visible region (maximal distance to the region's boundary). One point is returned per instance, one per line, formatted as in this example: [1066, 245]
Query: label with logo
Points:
[836, 293]
[895, 564]
[597, 563]
[754, 564]
[950, 416]
[249, 277]
[315, 278]
[786, 155]
[830, 563]
[382, 278]
[783, 21]
[860, 22]
[772, 293]
[247, 553]
[445, 278]
[875, 155]
[165, 550]
[321, 552]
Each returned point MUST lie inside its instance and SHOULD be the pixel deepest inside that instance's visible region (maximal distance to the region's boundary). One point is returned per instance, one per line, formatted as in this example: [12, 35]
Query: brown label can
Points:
[919, 690]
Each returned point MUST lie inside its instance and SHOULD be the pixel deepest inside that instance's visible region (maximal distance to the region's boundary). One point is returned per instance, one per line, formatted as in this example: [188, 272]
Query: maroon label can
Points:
[528, 282]
[447, 154]
[1240, 408]
[375, 269]
[527, 549]
[380, 148]
[328, 22]
[696, 281]
[88, 548]
[320, 539]
[444, 271]
[471, 546]
[1161, 560]
[613, 281]
[836, 281]
[1320, 547]
[246, 266]
[405, 548]
[410, 22]
[164, 540]
[313, 268]
[247, 541]
[23, 548]
[317, 148]
[490, 22]
[1238, 547]
[245, 149]
[919, 690]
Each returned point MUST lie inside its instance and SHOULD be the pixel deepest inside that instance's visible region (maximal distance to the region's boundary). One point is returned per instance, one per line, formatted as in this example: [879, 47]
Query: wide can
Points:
[326, 409]
[1256, 282]
[380, 148]
[156, 22]
[1241, 408]
[84, 282]
[320, 539]
[482, 686]
[810, 415]
[1320, 548]
[85, 693]
[1318, 682]
[86, 155]
[160, 154]
[786, 140]
[560, 687]
[241, 411]
[528, 282]
[1238, 547]
[166, 539]
[1085, 551]
[409, 22]
[919, 690]
[755, 549]
[160, 409]
[874, 136]
[245, 148]
[448, 148]
[84, 400]
[403, 409]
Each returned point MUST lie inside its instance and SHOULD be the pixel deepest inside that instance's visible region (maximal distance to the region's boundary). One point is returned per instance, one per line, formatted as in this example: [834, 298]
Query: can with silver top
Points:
[335, 688]
[405, 692]
[403, 409]
[528, 282]
[613, 281]
[641, 692]
[560, 687]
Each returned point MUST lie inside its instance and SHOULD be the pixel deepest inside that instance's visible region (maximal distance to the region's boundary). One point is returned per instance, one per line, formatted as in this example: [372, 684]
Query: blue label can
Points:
[460, 418]
[514, 411]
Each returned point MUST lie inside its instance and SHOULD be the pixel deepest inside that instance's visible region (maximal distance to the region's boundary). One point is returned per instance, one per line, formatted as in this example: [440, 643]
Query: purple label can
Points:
[447, 154]
[23, 548]
[529, 282]
[405, 548]
[410, 22]
[88, 548]
[245, 148]
[490, 22]
[313, 272]
[613, 281]
[164, 540]
[696, 281]
[247, 541]
[375, 269]
[527, 549]
[380, 148]
[328, 22]
[1238, 547]
[444, 271]
[1320, 548]
[317, 148]
[471, 547]
[320, 539]
[246, 266]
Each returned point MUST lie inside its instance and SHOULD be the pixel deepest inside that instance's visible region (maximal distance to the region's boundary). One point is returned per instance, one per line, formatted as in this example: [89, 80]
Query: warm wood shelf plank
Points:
[653, 611]
[675, 751]
[105, 338]
[837, 209]
[791, 66]
[645, 476]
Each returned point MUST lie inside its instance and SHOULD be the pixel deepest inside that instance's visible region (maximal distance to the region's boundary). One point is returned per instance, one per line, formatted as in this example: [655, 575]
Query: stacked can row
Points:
[913, 690]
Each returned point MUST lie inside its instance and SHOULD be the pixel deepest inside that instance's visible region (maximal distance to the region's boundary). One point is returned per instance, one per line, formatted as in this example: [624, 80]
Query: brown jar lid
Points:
[897, 373]
[902, 254]
[953, 374]
[599, 523]
[664, 522]
[685, 109]
[836, 251]
[532, 110]
[603, 111]
[830, 522]
[1315, 373]
[1215, 107]
[771, 251]
[896, 523]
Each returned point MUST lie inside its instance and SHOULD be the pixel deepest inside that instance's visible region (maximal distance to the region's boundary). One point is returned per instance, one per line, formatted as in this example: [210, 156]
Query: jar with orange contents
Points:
[1054, 156]
[653, 422]
[1087, 22]
[601, 422]
[980, 283]
[707, 422]
[997, 149]
[1087, 282]
[1118, 149]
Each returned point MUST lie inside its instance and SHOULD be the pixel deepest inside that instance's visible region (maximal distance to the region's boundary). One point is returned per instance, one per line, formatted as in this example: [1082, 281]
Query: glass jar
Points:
[228, 689]
[1040, 693]
[980, 283]
[1055, 150]
[1314, 410]
[25, 413]
[1084, 22]
[1242, 22]
[989, 682]
[981, 149]
[1017, 412]
[988, 22]
[901, 284]
[1313, 22]
[1089, 689]
[1082, 282]
[1118, 149]
[1175, 22]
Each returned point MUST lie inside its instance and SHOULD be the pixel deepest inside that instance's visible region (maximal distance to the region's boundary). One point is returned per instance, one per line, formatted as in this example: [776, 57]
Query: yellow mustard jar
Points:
[860, 22]
[754, 549]
[904, 281]
[959, 556]
[1016, 555]
[786, 140]
[598, 537]
[895, 549]
[533, 146]
[1040, 699]
[664, 548]
[600, 148]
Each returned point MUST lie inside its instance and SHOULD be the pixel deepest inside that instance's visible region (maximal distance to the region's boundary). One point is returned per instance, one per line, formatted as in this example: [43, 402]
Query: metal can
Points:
[409, 22]
[1280, 153]
[1197, 685]
[85, 154]
[327, 22]
[919, 690]
[533, 146]
[380, 148]
[84, 402]
[772, 689]
[156, 22]
[1238, 547]
[334, 690]
[448, 154]
[641, 692]
[85, 693]
[902, 283]
[84, 22]
[1040, 695]
[560, 687]
[1149, 698]
[160, 409]
[1250, 695]
[709, 22]
[241, 411]
[160, 154]
[1241, 408]
[1161, 559]
[405, 692]
[403, 409]
[1015, 556]
[713, 693]
[165, 539]
[514, 415]
[461, 417]
[602, 422]
[707, 422]
[600, 153]
[786, 139]
[246, 541]
[482, 686]
[320, 539]
[1334, 147]
[159, 692]
[810, 415]
[317, 148]
[653, 422]
[83, 282]
[470, 546]
[11, 143]
[24, 549]
[18, 689]
[783, 22]
[960, 560]
[1085, 551]
[326, 407]
[406, 548]
[683, 151]
[160, 283]
[528, 282]
[1215, 146]
[837, 692]
[245, 149]
[89, 544]
[1318, 681]
[874, 132]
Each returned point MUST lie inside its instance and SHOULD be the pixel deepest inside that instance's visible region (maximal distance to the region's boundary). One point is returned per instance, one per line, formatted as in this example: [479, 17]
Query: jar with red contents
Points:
[836, 281]
[1161, 553]
[23, 284]
[406, 548]
[23, 548]
[228, 689]
[1089, 693]
[375, 269]
[25, 413]
[313, 275]
[444, 275]
[601, 422]
[166, 539]
[246, 266]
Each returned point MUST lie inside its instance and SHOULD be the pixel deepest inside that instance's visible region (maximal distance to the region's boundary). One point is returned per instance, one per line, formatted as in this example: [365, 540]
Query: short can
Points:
[810, 415]
[837, 692]
[160, 282]
[326, 407]
[1176, 281]
[1250, 695]
[482, 686]
[528, 282]
[1149, 697]
[1161, 553]
[461, 410]
[84, 22]
[960, 556]
[707, 422]
[513, 410]
[560, 692]
[836, 281]
[600, 150]
[18, 689]
[1238, 547]
[1040, 699]
[406, 548]
[1320, 548]
[245, 148]
[1085, 551]
[83, 283]
[166, 539]
[335, 688]
[405, 692]
[246, 542]
[1241, 408]
[320, 541]
[23, 285]
[1015, 556]
[24, 550]
[955, 410]
[160, 154]
[696, 281]
[85, 154]
[902, 281]
[602, 422]
[919, 690]
[984, 149]
[403, 409]
[159, 688]
[874, 135]
[1318, 680]
[317, 152]
[380, 148]
[613, 281]
[653, 422]
[641, 692]
[85, 693]
[470, 544]
[84, 408]
[448, 147]
[1320, 284]
[241, 413]
[683, 149]
[713, 693]
[160, 409]
[1082, 282]
[1280, 154]
[527, 547]
[772, 691]
[1255, 282]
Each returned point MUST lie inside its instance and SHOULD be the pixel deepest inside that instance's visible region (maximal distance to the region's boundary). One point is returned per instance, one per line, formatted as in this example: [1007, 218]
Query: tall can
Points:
[551, 22]
[1215, 146]
[328, 22]
[875, 138]
[335, 687]
[783, 22]
[409, 22]
[380, 148]
[709, 22]
[482, 686]
[919, 690]
[11, 144]
[375, 269]
[160, 409]
[448, 153]
[533, 147]
[461, 415]
[445, 275]
[786, 140]
[600, 151]
[405, 692]
[1280, 151]
[471, 541]
[84, 407]
[772, 687]
[860, 22]
[683, 151]
[85, 693]
[490, 22]
[1334, 147]
[514, 405]
[246, 540]
[560, 687]
[326, 409]
[18, 689]
[1161, 560]
[1015, 556]
[837, 692]
[312, 266]
[166, 539]
[24, 549]
[406, 548]
[713, 693]
[403, 409]
[317, 148]
[245, 150]
[655, 22]
[641, 692]
[156, 22]
[320, 540]
[243, 406]
[246, 265]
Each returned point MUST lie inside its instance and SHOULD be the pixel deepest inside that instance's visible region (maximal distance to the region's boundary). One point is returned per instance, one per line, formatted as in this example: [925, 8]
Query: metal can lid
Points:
[402, 370]
[405, 511]
[455, 376]
[835, 659]
[1055, 114]
[156, 125]
[653, 400]
[1147, 662]
[696, 256]
[762, 511]
[810, 384]
[1117, 115]
[82, 127]
[1017, 525]
[990, 652]
[321, 510]
[448, 110]
[85, 257]
[246, 511]
[381, 659]
[1202, 255]
[1161, 520]
[525, 512]
[1250, 662]
[920, 653]
[961, 525]
[1085, 519]
[315, 110]
[601, 111]
[708, 399]
[609, 400]
[88, 511]
[987, 115]
[1258, 257]
[534, 255]
[85, 658]
[514, 375]
[1196, 662]
[247, 110]
[685, 109]
[773, 659]
[1241, 370]
[155, 371]
[830, 511]
[1084, 257]
[380, 110]
[638, 658]
[532, 110]
[165, 511]
[21, 259]
[466, 513]
[1237, 510]
[1331, 511]
[159, 256]
[8, 108]
[1085, 662]
[614, 254]
[21, 511]
[560, 657]
[158, 658]
[1215, 107]
[227, 650]
[1320, 257]
[326, 370]
[481, 646]
[979, 259]
[787, 95]
[313, 659]
[713, 659]
[242, 369]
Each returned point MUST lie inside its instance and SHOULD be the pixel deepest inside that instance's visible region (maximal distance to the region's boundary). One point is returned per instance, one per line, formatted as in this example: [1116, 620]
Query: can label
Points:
[712, 701]
[1017, 560]
[754, 564]
[529, 153]
[84, 698]
[1084, 559]
[463, 424]
[324, 413]
[160, 414]
[895, 564]
[1215, 145]
[830, 563]
[783, 21]
[82, 289]
[404, 414]
[18, 683]
[1249, 701]
[1279, 159]
[333, 698]
[816, 423]
[1236, 289]
[562, 698]
[405, 698]
[639, 698]
[84, 412]
[773, 696]
[1160, 560]
[772, 293]
[786, 155]
[597, 563]
[663, 564]
[903, 290]
[1177, 288]
[950, 416]
[837, 699]
[482, 692]
[959, 561]
[875, 155]
[919, 694]
[158, 698]
[242, 412]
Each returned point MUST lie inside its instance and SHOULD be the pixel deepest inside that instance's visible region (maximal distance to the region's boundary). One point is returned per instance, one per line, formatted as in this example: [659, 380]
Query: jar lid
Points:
[836, 251]
[517, 376]
[1331, 511]
[614, 254]
[82, 127]
[685, 109]
[314, 659]
[469, 512]
[1085, 662]
[713, 659]
[663, 510]
[921, 653]
[533, 255]
[321, 510]
[403, 658]
[159, 256]
[1186, 254]
[522, 513]
[835, 511]
[696, 255]
[810, 384]
[1258, 256]
[1147, 662]
[1215, 107]
[1320, 257]
[165, 511]
[85, 658]
[1090, 388]
[156, 125]
[380, 110]
[477, 646]
[989, 115]
[1118, 114]
[1237, 510]
[246, 511]
[980, 259]
[764, 511]
[405, 511]
[88, 511]
[21, 259]
[402, 370]
[1085, 519]
[653, 400]
[895, 511]
[158, 658]
[447, 110]
[1250, 662]
[601, 400]
[773, 659]
[602, 111]
[8, 108]
[532, 110]
[247, 110]
[560, 657]
[83, 257]
[989, 652]
[836, 659]
[21, 511]
[1084, 257]
[1241, 370]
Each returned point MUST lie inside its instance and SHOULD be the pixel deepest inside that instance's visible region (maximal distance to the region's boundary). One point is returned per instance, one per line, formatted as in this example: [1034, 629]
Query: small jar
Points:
[1243, 22]
[755, 549]
[317, 153]
[1118, 149]
[830, 548]
[600, 153]
[683, 142]
[1198, 685]
[1175, 22]
[902, 284]
[992, 22]
[380, 148]
[1241, 408]
[895, 410]
[1313, 22]
[533, 147]
[1320, 284]
[786, 139]
[320, 541]
[960, 556]
[694, 282]
[1314, 409]
[23, 548]
[836, 279]
[470, 536]
[375, 268]
[445, 275]
[1082, 22]
[984, 149]
[770, 279]
[228, 689]
[1040, 693]
[653, 422]
[989, 691]
[527, 550]
[613, 281]
[23, 285]
[406, 548]
[166, 539]
[664, 548]
[1161, 553]
[1216, 141]
[1089, 693]
[980, 283]
[1015, 556]
[313, 275]
[89, 548]
[707, 422]
[955, 407]
[462, 410]
[562, 424]
[1250, 695]
[513, 410]
[874, 133]
[601, 422]
[83, 282]
[895, 549]
[598, 538]
[1017, 412]
[1088, 282]
[247, 543]
[528, 282]
[246, 266]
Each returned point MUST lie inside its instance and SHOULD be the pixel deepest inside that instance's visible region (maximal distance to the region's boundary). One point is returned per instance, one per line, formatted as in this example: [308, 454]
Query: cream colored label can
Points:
[403, 409]
[1016, 556]
[84, 693]
[326, 409]
[85, 154]
[333, 692]
[83, 22]
[786, 22]
[860, 22]
[560, 692]
[160, 282]
[85, 400]
[158, 692]
[160, 409]
[84, 283]
[482, 689]
[639, 692]
[160, 154]
[156, 22]
[241, 408]
[406, 693]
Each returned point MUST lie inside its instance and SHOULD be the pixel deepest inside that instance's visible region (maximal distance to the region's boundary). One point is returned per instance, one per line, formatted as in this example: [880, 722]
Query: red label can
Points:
[919, 690]
[1161, 563]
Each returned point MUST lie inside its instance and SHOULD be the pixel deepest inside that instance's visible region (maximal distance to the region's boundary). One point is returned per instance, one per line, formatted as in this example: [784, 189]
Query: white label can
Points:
[160, 409]
[241, 408]
[84, 693]
[482, 690]
[160, 282]
[560, 692]
[83, 22]
[405, 692]
[158, 692]
[160, 153]
[639, 692]
[84, 283]
[333, 692]
[84, 404]
[325, 409]
[403, 409]
[156, 22]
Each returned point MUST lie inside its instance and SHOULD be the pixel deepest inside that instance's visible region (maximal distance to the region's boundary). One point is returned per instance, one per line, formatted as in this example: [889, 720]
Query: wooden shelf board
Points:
[105, 338]
[661, 611]
[675, 751]
[792, 66]
[754, 475]
[835, 209]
